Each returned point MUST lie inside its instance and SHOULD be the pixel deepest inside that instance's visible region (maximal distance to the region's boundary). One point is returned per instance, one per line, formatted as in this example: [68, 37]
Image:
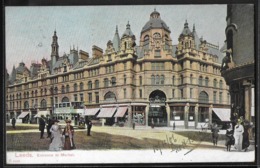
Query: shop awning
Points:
[223, 114]
[45, 113]
[91, 112]
[106, 112]
[120, 112]
[23, 114]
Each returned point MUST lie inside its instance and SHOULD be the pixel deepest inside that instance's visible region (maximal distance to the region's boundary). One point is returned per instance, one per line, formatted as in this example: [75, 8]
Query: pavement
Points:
[155, 155]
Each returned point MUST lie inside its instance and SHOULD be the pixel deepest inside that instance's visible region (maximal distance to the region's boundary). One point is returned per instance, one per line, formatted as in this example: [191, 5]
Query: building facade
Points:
[153, 82]
[239, 72]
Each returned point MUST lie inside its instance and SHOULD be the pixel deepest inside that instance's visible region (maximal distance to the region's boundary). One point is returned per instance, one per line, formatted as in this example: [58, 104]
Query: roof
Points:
[186, 30]
[155, 22]
[217, 52]
[128, 31]
[139, 51]
[116, 40]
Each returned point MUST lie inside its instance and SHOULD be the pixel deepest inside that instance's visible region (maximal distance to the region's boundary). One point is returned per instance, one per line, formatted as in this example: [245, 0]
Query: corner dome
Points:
[155, 22]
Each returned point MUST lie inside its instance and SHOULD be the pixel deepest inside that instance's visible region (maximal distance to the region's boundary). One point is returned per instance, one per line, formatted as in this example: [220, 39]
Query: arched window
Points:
[181, 79]
[110, 96]
[90, 85]
[153, 80]
[43, 103]
[26, 105]
[173, 80]
[75, 87]
[124, 79]
[203, 97]
[220, 84]
[200, 81]
[27, 94]
[65, 99]
[206, 81]
[113, 81]
[81, 86]
[97, 84]
[156, 35]
[45, 91]
[191, 79]
[140, 80]
[106, 82]
[146, 41]
[215, 83]
[32, 93]
[67, 88]
[162, 79]
[62, 89]
[36, 93]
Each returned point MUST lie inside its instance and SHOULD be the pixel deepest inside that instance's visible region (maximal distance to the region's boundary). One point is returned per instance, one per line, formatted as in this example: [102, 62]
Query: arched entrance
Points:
[157, 110]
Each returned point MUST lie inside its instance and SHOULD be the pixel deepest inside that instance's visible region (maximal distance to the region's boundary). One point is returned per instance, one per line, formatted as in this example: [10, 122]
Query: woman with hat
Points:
[68, 132]
[56, 143]
[238, 134]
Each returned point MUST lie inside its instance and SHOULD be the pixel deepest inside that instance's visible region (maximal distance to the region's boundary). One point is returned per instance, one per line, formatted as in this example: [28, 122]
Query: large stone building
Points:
[154, 81]
[239, 66]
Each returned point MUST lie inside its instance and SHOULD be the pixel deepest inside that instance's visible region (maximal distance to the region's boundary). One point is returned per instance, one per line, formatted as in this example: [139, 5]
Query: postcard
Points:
[124, 84]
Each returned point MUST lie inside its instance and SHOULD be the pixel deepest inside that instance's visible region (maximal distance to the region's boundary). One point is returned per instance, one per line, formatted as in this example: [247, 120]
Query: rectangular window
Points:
[81, 97]
[124, 93]
[191, 92]
[181, 93]
[75, 97]
[173, 93]
[140, 80]
[97, 97]
[90, 97]
[228, 98]
[220, 97]
[133, 93]
[215, 97]
[140, 93]
[125, 66]
[157, 53]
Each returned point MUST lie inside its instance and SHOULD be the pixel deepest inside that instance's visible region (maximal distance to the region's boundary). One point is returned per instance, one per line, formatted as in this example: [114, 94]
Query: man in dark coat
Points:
[41, 126]
[89, 127]
[50, 123]
[13, 122]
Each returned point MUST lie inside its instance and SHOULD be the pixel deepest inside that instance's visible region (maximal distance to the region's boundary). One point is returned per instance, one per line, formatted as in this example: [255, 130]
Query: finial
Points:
[193, 27]
[154, 9]
[128, 25]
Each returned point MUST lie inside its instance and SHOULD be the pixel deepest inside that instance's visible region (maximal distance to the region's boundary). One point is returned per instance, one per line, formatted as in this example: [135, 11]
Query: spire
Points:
[128, 31]
[116, 40]
[186, 30]
[128, 25]
[186, 24]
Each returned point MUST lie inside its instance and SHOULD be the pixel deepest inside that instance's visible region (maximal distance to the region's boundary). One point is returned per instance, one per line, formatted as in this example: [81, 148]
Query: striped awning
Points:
[106, 112]
[91, 112]
[44, 113]
[23, 114]
[121, 112]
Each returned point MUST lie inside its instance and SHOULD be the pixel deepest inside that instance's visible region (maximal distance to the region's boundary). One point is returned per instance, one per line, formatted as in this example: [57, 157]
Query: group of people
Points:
[59, 139]
[238, 136]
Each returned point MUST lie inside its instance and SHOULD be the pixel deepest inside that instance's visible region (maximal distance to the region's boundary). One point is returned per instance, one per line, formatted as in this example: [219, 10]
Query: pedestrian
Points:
[238, 134]
[246, 143]
[13, 122]
[41, 126]
[215, 131]
[89, 127]
[230, 140]
[68, 132]
[50, 123]
[173, 125]
[133, 125]
[56, 143]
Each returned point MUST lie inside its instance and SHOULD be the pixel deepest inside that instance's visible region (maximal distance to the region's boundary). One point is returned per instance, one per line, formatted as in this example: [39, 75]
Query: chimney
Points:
[96, 51]
[83, 55]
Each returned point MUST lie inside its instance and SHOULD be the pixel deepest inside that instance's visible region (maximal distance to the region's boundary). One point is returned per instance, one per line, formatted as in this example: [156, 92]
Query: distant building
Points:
[239, 72]
[154, 81]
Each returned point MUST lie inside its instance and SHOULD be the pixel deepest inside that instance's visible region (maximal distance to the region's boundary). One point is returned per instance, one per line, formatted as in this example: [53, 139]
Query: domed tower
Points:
[186, 38]
[155, 34]
[127, 39]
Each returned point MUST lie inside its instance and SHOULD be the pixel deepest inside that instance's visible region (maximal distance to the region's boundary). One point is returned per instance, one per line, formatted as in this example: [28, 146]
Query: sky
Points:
[29, 30]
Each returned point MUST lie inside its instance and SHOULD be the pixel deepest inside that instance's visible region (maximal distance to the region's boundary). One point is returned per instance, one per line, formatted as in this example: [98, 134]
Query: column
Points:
[247, 103]
[129, 116]
[196, 115]
[168, 110]
[186, 115]
[146, 115]
[210, 114]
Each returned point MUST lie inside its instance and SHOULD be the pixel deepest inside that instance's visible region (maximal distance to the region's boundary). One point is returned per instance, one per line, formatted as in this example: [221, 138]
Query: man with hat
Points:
[41, 126]
[238, 134]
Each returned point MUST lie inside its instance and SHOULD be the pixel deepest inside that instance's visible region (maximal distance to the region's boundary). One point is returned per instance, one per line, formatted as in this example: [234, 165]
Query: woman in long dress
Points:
[56, 143]
[230, 140]
[238, 134]
[68, 132]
